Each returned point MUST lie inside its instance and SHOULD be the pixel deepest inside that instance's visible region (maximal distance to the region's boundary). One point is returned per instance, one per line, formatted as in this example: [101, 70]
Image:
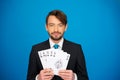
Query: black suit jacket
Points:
[76, 62]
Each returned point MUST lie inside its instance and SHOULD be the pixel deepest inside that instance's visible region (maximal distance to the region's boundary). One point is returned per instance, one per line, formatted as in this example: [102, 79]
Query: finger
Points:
[64, 77]
[66, 74]
[48, 77]
[48, 70]
[62, 71]
[46, 74]
[49, 73]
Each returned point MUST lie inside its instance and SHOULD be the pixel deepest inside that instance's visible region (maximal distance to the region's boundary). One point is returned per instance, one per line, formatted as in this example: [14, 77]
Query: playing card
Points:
[55, 59]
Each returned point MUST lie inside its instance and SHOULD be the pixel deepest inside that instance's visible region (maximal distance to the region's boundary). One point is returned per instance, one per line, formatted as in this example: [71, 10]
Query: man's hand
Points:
[46, 74]
[66, 74]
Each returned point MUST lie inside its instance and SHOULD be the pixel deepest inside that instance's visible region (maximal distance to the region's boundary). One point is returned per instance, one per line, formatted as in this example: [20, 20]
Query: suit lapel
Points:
[65, 45]
[47, 45]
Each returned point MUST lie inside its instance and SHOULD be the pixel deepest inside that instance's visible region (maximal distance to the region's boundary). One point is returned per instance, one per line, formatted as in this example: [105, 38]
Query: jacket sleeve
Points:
[81, 65]
[33, 69]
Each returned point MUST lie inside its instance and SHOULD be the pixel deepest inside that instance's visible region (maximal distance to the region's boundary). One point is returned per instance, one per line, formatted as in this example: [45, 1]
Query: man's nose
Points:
[56, 28]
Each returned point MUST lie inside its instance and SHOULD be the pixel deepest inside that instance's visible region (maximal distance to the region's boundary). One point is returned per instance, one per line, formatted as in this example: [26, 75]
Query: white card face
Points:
[54, 58]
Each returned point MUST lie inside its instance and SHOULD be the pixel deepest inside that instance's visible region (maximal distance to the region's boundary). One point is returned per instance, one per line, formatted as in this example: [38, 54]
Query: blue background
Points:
[95, 24]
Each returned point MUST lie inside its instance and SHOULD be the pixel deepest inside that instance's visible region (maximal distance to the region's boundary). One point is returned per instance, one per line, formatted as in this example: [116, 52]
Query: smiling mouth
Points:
[56, 36]
[56, 33]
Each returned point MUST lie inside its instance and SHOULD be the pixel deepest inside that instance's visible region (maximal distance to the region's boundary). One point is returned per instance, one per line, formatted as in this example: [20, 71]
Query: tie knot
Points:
[56, 46]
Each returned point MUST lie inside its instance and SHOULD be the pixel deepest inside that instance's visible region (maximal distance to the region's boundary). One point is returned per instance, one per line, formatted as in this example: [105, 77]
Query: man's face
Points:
[55, 28]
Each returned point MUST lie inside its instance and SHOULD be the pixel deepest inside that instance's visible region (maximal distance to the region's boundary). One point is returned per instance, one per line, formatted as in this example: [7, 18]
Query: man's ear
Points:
[66, 27]
[46, 27]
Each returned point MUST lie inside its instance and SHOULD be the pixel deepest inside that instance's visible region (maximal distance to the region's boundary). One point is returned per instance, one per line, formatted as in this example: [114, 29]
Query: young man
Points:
[56, 25]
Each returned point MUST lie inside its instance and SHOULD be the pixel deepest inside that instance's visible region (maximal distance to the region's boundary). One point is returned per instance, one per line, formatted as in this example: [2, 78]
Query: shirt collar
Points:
[60, 43]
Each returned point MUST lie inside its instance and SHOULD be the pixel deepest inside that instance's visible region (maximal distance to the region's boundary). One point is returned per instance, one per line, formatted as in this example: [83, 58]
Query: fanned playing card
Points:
[54, 58]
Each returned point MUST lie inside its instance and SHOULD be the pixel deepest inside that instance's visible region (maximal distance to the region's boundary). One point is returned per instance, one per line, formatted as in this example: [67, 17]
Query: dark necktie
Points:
[56, 46]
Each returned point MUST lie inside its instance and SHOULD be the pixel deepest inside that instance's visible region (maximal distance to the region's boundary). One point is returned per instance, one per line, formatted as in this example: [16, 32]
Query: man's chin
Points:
[56, 39]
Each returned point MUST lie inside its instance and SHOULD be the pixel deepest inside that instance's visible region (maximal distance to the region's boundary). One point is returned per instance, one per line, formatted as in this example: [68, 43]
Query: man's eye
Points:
[60, 25]
[51, 25]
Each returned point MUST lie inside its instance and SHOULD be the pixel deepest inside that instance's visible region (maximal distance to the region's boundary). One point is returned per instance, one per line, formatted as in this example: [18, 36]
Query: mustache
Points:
[56, 32]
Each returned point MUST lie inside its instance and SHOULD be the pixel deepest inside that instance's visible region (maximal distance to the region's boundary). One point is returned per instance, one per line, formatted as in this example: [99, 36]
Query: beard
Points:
[56, 38]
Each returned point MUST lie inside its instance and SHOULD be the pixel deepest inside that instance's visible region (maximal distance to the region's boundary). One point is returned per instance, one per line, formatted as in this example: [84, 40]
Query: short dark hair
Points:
[59, 15]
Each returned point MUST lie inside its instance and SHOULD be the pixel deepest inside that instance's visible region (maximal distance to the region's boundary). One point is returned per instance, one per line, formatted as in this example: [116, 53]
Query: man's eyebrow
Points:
[50, 23]
[54, 23]
[60, 23]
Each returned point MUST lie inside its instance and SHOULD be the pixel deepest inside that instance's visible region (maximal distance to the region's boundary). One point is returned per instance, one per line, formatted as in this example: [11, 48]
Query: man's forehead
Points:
[53, 18]
[54, 21]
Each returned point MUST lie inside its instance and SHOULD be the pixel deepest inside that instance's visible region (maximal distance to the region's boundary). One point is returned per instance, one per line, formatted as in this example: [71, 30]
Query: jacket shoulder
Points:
[72, 43]
[41, 46]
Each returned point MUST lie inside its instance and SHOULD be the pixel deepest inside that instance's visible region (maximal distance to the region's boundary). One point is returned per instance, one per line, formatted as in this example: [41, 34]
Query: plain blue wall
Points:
[95, 24]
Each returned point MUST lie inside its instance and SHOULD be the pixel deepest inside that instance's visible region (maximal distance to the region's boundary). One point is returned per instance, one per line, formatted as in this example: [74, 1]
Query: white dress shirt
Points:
[52, 43]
